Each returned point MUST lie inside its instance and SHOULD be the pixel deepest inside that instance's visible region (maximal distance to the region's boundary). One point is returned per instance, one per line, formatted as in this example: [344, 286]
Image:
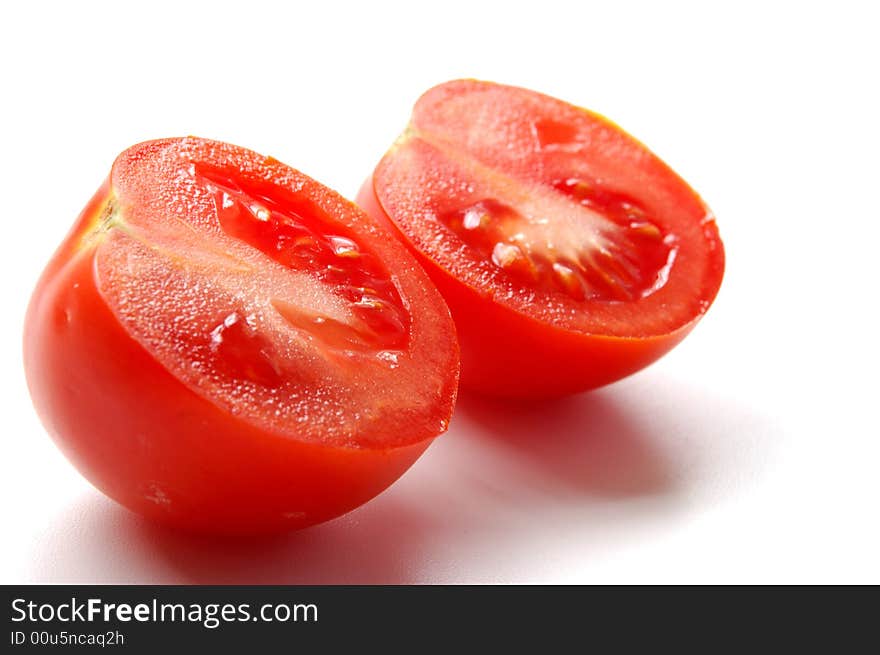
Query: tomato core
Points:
[300, 237]
[605, 247]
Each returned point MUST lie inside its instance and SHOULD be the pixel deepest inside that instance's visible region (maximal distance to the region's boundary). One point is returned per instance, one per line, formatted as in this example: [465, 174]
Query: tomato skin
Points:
[150, 442]
[506, 353]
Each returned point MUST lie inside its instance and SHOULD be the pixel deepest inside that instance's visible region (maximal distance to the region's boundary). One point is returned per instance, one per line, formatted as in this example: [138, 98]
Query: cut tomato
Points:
[224, 344]
[569, 254]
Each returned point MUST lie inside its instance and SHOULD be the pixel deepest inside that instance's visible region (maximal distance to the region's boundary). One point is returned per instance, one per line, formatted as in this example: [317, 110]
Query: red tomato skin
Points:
[506, 353]
[148, 441]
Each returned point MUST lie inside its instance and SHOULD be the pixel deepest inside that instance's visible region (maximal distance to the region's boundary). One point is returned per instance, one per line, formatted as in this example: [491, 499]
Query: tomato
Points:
[225, 345]
[569, 254]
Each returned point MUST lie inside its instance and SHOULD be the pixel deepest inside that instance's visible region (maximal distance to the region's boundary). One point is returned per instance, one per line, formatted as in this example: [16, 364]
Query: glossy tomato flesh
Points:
[223, 344]
[569, 254]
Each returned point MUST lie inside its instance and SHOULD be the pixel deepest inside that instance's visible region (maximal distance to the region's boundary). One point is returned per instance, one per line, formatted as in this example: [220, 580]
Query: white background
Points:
[750, 454]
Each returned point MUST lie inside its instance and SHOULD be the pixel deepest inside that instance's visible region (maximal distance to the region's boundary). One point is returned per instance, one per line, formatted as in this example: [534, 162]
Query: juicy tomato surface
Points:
[225, 345]
[569, 254]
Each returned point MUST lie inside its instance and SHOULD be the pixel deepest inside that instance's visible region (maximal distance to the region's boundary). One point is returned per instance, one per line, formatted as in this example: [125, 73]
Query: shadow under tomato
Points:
[587, 473]
[588, 443]
[98, 541]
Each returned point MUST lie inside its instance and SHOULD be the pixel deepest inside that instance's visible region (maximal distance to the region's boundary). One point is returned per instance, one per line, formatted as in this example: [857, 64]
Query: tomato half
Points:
[569, 255]
[223, 344]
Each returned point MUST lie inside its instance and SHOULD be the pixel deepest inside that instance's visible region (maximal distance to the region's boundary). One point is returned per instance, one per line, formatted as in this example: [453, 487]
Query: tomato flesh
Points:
[590, 255]
[201, 370]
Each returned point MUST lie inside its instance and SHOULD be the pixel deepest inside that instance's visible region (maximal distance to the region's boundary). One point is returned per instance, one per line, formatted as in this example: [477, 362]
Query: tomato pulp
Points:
[569, 254]
[223, 344]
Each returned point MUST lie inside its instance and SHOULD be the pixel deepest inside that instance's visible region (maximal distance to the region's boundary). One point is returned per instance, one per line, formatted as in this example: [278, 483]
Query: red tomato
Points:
[223, 344]
[569, 255]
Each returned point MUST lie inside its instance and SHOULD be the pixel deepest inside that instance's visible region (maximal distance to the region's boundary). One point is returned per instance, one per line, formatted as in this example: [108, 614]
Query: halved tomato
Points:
[569, 255]
[223, 344]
